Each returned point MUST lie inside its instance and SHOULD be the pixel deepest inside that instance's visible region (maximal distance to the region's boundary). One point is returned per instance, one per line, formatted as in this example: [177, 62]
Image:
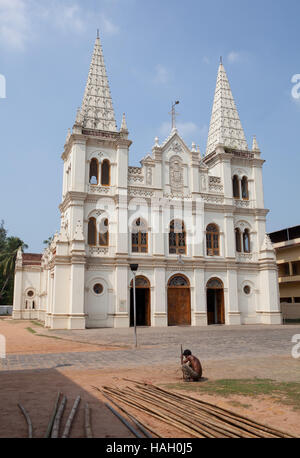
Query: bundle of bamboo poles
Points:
[193, 416]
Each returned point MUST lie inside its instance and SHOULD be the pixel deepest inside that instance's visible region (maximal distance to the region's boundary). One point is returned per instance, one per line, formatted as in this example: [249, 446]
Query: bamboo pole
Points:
[87, 422]
[28, 420]
[71, 418]
[224, 422]
[50, 425]
[206, 420]
[218, 430]
[219, 422]
[219, 419]
[229, 413]
[59, 413]
[144, 409]
[124, 421]
[170, 417]
[137, 422]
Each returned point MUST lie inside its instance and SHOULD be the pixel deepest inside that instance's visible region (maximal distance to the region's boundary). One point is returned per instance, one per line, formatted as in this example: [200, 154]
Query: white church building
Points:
[195, 225]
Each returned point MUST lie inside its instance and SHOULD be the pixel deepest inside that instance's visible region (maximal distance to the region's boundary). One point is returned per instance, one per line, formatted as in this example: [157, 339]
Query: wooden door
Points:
[179, 306]
[220, 306]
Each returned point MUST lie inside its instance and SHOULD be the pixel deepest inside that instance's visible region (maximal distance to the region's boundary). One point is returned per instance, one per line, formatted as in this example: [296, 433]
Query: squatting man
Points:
[191, 367]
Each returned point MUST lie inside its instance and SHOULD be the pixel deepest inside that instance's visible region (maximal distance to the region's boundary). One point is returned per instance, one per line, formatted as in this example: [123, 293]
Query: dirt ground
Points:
[37, 389]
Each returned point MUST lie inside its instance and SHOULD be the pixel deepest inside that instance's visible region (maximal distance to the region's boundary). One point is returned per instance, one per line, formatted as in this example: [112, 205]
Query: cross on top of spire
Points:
[174, 114]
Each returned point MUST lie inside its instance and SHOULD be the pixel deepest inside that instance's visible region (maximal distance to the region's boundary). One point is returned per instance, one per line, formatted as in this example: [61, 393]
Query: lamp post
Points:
[134, 268]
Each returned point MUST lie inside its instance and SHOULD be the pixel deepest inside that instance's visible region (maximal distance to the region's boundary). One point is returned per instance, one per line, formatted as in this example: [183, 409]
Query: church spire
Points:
[97, 110]
[225, 125]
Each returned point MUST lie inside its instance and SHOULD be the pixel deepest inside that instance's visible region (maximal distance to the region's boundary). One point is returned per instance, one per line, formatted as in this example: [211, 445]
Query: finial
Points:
[123, 125]
[98, 33]
[255, 146]
[193, 147]
[221, 60]
[156, 140]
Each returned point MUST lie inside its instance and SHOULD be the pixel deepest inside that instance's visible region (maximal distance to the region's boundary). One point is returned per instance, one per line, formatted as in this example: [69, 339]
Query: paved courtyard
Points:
[161, 346]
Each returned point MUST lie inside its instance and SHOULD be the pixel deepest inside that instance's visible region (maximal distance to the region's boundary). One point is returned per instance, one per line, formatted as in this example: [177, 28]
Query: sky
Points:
[156, 51]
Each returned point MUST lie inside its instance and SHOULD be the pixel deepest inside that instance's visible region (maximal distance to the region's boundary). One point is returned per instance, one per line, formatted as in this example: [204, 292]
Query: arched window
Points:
[139, 237]
[246, 241]
[238, 244]
[212, 240]
[245, 192]
[236, 187]
[92, 232]
[214, 283]
[177, 243]
[105, 173]
[104, 233]
[94, 171]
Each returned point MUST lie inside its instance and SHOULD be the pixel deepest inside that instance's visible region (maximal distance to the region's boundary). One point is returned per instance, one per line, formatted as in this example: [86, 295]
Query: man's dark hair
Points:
[187, 353]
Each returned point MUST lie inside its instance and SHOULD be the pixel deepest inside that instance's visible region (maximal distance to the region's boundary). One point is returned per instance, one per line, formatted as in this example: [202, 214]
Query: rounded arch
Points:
[245, 188]
[139, 236]
[177, 237]
[141, 282]
[238, 243]
[94, 171]
[215, 301]
[179, 280]
[105, 172]
[179, 300]
[214, 283]
[236, 186]
[104, 231]
[92, 231]
[212, 240]
[143, 301]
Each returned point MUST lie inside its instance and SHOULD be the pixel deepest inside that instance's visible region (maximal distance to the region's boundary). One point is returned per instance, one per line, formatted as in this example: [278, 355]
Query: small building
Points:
[287, 246]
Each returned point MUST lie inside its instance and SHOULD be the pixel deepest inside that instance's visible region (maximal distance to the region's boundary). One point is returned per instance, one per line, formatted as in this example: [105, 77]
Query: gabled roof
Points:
[170, 139]
[225, 125]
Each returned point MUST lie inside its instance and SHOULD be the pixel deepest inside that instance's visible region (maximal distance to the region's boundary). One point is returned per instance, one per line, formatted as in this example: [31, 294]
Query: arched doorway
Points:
[143, 308]
[179, 301]
[215, 301]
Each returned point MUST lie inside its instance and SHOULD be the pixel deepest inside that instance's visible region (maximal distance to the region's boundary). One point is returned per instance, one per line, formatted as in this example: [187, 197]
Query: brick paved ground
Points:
[256, 350]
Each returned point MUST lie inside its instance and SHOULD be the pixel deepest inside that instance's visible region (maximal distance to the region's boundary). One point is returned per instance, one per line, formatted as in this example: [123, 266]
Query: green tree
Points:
[48, 241]
[8, 252]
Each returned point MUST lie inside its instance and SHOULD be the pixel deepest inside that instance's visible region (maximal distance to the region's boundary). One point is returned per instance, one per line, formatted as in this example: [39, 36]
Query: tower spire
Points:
[97, 111]
[225, 125]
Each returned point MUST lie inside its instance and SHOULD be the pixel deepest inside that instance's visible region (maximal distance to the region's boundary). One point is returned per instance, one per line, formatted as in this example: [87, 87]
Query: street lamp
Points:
[134, 268]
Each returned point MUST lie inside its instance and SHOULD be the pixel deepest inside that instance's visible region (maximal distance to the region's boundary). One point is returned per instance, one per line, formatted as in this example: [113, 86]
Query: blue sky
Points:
[155, 51]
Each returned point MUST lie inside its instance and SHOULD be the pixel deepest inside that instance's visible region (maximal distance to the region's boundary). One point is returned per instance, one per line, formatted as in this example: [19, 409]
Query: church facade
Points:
[195, 226]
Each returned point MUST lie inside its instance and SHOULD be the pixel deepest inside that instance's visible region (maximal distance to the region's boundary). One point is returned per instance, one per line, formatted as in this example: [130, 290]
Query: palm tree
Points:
[48, 241]
[7, 260]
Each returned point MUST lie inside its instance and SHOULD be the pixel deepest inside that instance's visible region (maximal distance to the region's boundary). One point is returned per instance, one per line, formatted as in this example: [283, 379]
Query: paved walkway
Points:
[161, 346]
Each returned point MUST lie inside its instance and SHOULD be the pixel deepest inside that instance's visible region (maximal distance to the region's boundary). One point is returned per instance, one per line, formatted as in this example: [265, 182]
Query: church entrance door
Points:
[215, 302]
[179, 301]
[143, 308]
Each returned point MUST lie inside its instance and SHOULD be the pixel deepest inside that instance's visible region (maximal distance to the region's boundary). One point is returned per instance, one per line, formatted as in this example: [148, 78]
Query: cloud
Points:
[161, 74]
[21, 20]
[107, 26]
[184, 128]
[68, 16]
[233, 57]
[14, 23]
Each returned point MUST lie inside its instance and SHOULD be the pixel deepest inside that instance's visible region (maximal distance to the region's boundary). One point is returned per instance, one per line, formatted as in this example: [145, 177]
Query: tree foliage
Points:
[8, 252]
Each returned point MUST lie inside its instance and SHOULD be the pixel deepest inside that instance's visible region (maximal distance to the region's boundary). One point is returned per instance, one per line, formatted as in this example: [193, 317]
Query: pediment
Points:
[174, 145]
